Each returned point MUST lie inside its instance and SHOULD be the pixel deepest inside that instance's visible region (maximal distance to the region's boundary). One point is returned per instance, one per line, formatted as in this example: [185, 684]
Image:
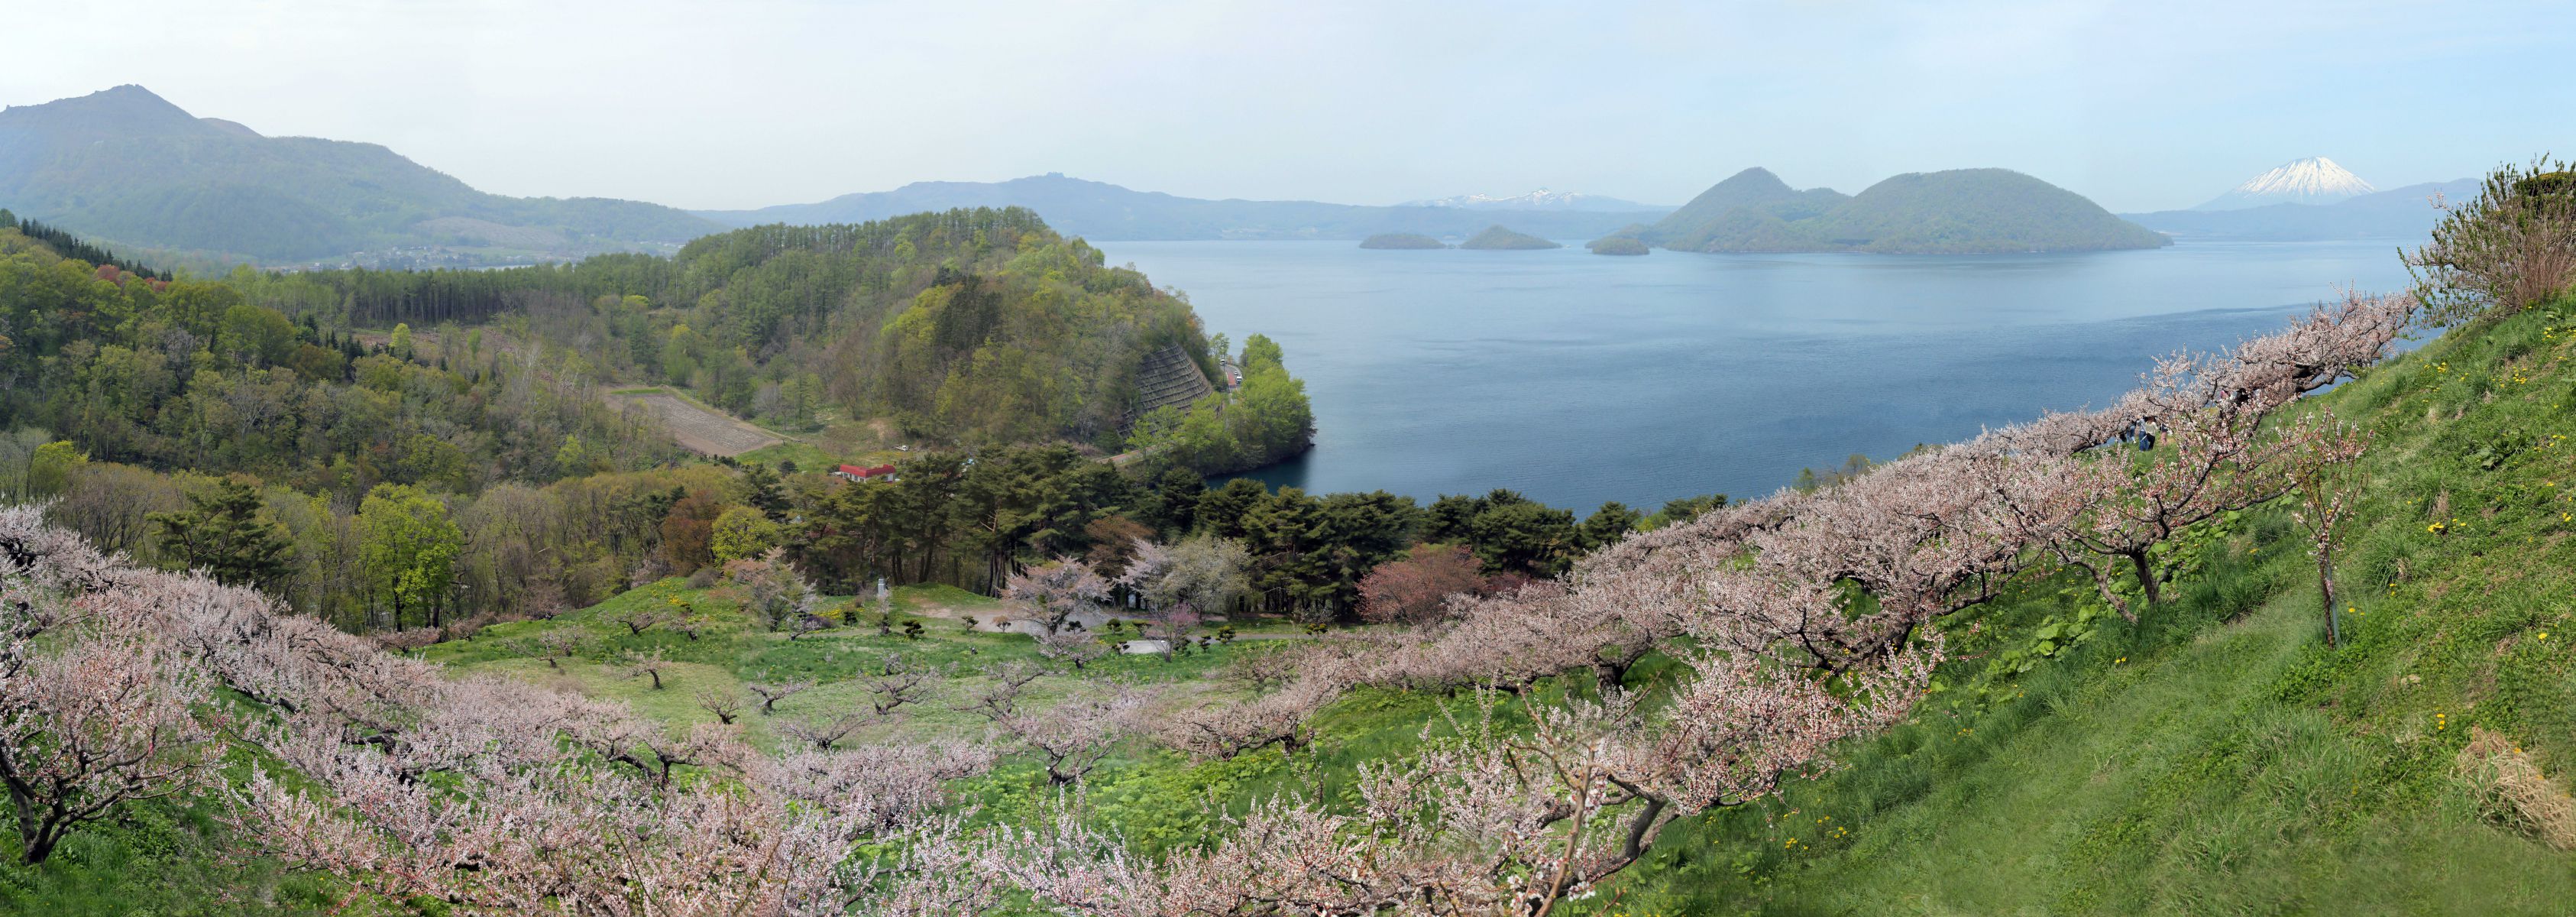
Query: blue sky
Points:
[2138, 105]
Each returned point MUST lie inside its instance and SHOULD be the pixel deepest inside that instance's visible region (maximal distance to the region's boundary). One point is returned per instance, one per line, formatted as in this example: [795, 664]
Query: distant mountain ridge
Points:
[1401, 241]
[1541, 199]
[2398, 213]
[125, 165]
[1100, 211]
[2314, 180]
[1961, 211]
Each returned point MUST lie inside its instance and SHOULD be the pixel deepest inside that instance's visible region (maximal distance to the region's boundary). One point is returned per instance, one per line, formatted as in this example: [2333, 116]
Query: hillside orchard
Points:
[1795, 622]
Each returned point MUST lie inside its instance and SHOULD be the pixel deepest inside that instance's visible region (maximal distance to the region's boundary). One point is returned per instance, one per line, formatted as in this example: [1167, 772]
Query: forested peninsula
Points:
[1003, 351]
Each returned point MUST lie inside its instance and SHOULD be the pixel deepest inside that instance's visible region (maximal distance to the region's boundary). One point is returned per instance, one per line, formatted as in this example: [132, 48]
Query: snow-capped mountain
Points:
[1541, 199]
[2314, 180]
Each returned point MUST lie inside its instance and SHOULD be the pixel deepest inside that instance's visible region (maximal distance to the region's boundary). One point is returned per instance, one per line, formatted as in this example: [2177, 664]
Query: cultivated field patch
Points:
[696, 428]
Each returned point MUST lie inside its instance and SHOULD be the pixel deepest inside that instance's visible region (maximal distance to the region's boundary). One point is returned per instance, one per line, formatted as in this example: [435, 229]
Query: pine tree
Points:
[226, 533]
[765, 493]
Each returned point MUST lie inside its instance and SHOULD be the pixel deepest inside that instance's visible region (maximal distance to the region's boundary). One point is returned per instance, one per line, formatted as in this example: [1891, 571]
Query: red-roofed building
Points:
[856, 473]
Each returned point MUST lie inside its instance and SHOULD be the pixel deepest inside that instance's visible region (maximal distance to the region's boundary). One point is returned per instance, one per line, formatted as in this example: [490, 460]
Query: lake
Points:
[1578, 378]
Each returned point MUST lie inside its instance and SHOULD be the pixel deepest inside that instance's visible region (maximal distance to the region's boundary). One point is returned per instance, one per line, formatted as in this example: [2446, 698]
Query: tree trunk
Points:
[2147, 578]
[2102, 581]
[39, 848]
[36, 834]
[2325, 587]
[1608, 674]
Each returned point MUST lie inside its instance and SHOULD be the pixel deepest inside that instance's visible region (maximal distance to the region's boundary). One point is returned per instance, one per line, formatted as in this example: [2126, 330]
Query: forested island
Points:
[1619, 245]
[1401, 240]
[1497, 237]
[1962, 211]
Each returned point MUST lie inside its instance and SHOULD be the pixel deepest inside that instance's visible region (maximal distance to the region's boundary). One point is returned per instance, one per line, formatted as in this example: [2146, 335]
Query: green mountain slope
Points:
[127, 166]
[1962, 211]
[2218, 758]
[1753, 190]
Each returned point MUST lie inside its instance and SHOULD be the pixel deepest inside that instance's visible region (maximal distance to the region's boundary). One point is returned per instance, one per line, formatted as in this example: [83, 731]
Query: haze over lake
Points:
[1577, 378]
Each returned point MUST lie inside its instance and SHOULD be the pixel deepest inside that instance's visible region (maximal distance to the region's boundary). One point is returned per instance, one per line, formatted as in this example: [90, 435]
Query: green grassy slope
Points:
[2218, 758]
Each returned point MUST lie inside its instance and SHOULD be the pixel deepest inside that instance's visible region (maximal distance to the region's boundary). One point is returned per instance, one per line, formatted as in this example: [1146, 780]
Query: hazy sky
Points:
[2141, 105]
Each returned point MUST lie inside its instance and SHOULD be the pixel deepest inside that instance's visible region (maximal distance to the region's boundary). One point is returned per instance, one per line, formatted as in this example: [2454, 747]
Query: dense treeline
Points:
[973, 523]
[71, 246]
[400, 555]
[193, 374]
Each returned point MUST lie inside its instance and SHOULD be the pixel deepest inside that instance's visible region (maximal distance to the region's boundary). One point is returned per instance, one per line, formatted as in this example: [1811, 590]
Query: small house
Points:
[858, 473]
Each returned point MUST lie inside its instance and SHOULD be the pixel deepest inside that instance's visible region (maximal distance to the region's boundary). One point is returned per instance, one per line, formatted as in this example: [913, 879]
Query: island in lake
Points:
[1498, 237]
[1401, 240]
[1625, 242]
[1961, 211]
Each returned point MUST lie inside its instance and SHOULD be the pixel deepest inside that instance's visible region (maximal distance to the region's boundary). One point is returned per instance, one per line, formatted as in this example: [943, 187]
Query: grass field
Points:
[735, 650]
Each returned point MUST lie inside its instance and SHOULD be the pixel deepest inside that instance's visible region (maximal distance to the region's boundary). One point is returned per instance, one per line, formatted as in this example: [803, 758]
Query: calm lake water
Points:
[1577, 378]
